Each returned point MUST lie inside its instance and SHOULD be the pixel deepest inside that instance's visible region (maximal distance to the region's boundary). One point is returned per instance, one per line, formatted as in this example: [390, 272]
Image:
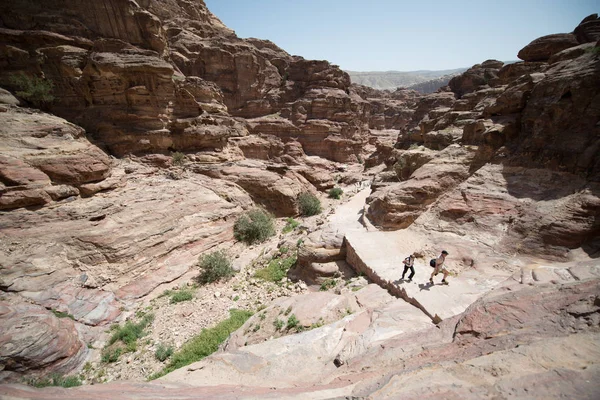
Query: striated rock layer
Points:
[509, 157]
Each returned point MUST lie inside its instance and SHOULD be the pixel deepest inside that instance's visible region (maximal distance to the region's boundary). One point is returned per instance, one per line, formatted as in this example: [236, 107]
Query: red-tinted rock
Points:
[543, 48]
[32, 339]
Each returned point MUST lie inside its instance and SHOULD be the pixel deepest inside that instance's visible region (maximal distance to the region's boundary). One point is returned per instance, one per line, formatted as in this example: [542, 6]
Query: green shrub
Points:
[178, 158]
[60, 314]
[206, 343]
[278, 324]
[309, 204]
[35, 90]
[56, 380]
[130, 332]
[292, 322]
[276, 269]
[111, 354]
[255, 226]
[127, 335]
[327, 284]
[290, 225]
[163, 352]
[181, 295]
[335, 193]
[214, 266]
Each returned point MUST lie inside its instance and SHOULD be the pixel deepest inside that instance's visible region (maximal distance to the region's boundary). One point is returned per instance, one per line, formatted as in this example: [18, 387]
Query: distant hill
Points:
[432, 85]
[395, 79]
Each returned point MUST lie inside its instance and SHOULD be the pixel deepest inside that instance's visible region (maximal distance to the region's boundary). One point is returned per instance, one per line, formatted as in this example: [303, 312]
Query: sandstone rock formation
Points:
[519, 119]
[160, 77]
[501, 167]
[45, 158]
[33, 339]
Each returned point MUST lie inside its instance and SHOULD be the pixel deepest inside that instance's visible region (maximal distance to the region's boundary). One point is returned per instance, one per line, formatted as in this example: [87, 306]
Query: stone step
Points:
[379, 256]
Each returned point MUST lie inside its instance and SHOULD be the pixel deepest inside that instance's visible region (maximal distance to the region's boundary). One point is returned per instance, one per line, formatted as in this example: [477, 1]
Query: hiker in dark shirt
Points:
[440, 267]
[409, 262]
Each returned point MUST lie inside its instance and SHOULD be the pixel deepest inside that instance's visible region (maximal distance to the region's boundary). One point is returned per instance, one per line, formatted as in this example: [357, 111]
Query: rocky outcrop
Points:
[163, 76]
[476, 77]
[44, 158]
[543, 48]
[513, 119]
[33, 340]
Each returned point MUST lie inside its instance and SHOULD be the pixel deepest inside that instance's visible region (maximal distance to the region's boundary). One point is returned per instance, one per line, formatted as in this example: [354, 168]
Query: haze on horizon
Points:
[399, 35]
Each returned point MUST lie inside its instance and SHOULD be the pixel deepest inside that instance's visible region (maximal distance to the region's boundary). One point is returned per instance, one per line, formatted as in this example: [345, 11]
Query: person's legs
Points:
[445, 275]
[432, 275]
[412, 273]
[405, 269]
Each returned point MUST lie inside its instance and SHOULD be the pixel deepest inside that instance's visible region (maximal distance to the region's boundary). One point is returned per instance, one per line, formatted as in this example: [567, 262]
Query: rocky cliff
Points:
[508, 156]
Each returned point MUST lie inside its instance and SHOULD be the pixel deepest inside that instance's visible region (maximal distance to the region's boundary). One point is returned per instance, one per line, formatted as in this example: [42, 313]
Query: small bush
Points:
[290, 225]
[309, 204]
[130, 332]
[327, 284]
[292, 322]
[111, 355]
[255, 226]
[276, 270]
[278, 324]
[56, 380]
[60, 314]
[128, 335]
[206, 343]
[178, 158]
[214, 266]
[35, 90]
[335, 193]
[163, 352]
[181, 295]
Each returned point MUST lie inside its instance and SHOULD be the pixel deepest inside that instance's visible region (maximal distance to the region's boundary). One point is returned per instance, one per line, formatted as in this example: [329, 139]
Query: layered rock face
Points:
[509, 156]
[162, 76]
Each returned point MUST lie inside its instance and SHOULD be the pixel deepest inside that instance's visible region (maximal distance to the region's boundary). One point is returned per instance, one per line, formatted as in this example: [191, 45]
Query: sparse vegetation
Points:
[56, 380]
[37, 91]
[255, 226]
[335, 193]
[327, 284]
[206, 343]
[214, 266]
[276, 269]
[278, 324]
[181, 295]
[124, 338]
[111, 354]
[290, 225]
[318, 324]
[593, 50]
[292, 322]
[163, 352]
[178, 158]
[309, 204]
[60, 314]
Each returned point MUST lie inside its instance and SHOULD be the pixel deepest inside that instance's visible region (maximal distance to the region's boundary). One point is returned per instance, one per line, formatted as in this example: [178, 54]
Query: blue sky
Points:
[383, 35]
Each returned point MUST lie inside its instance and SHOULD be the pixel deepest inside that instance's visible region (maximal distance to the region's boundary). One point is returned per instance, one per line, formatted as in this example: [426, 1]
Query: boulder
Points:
[33, 340]
[541, 49]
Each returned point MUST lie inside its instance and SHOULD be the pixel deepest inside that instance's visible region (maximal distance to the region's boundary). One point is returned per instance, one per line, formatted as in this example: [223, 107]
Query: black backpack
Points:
[432, 263]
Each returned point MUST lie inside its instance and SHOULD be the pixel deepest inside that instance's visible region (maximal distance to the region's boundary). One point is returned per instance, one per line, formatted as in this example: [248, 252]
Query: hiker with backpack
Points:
[409, 262]
[438, 266]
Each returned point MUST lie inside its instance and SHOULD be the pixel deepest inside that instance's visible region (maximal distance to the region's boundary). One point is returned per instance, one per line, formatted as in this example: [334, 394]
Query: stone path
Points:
[379, 255]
